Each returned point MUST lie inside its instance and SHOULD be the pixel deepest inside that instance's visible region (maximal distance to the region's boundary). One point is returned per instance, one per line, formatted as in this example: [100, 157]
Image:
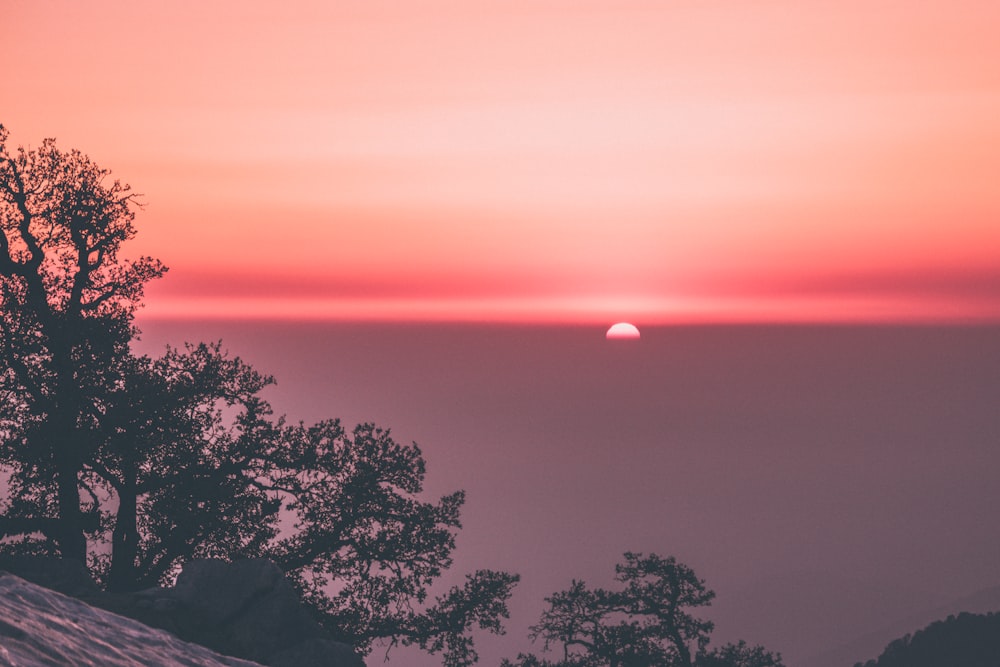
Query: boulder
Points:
[247, 608]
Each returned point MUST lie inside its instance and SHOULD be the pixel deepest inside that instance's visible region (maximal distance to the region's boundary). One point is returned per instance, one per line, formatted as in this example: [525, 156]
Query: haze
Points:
[826, 481]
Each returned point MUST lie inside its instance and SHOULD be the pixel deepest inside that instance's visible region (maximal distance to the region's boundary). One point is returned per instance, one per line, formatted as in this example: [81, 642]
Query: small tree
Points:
[649, 621]
[740, 654]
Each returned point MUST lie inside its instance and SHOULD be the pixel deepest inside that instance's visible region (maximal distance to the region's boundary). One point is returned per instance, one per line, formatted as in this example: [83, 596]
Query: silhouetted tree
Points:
[162, 460]
[67, 305]
[649, 621]
[185, 438]
[199, 469]
[359, 523]
[740, 654]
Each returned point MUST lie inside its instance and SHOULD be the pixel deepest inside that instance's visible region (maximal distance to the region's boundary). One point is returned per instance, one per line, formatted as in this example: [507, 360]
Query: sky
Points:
[426, 214]
[559, 162]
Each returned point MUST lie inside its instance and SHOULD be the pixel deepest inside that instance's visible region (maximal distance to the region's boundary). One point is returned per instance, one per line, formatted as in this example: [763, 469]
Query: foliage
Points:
[648, 621]
[358, 523]
[970, 640]
[67, 304]
[136, 465]
[184, 437]
[740, 654]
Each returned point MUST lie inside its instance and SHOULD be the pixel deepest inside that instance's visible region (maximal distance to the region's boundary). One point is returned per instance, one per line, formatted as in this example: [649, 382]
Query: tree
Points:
[68, 301]
[740, 654]
[184, 438]
[649, 621]
[158, 461]
[195, 467]
[358, 522]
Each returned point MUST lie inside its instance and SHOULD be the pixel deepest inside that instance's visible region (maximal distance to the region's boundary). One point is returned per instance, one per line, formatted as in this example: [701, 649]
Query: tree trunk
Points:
[682, 649]
[124, 543]
[65, 441]
[71, 539]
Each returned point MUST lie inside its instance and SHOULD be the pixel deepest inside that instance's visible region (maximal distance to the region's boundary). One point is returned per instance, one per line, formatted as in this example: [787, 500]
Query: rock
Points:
[246, 608]
[155, 607]
[317, 652]
[41, 628]
[224, 589]
[68, 577]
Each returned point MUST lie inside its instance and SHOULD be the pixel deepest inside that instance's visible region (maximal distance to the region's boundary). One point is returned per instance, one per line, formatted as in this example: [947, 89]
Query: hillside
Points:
[870, 644]
[969, 640]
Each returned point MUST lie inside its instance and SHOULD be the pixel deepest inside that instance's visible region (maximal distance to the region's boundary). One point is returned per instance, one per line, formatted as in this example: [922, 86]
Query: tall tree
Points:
[68, 300]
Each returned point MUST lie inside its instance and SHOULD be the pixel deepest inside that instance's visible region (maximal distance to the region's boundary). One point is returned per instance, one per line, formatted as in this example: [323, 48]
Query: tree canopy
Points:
[135, 465]
[68, 300]
[650, 620]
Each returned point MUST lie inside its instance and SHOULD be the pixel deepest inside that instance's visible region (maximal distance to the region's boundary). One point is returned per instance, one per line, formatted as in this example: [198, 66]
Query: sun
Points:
[622, 331]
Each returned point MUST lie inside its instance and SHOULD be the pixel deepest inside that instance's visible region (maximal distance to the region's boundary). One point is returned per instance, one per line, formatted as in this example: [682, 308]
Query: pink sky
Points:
[537, 161]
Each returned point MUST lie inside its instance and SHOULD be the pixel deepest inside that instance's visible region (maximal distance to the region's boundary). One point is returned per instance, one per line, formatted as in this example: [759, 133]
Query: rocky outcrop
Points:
[246, 609]
[42, 628]
[315, 652]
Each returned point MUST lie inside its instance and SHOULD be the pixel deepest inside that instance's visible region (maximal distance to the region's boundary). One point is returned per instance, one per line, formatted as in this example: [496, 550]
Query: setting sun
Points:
[622, 331]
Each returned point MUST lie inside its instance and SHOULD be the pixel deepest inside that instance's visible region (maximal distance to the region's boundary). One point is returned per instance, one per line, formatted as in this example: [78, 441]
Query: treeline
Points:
[966, 640]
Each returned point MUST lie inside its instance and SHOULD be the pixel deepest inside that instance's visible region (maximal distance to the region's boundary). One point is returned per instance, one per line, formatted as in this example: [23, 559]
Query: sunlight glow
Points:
[808, 161]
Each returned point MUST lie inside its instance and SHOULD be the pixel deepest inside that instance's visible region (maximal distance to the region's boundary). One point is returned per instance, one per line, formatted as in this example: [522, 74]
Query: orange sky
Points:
[502, 160]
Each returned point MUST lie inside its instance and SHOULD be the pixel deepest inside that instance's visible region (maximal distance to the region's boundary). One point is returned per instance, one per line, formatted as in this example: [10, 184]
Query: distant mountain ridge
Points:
[870, 645]
[967, 640]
